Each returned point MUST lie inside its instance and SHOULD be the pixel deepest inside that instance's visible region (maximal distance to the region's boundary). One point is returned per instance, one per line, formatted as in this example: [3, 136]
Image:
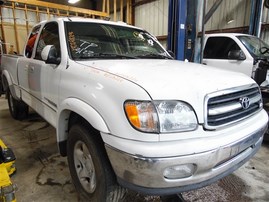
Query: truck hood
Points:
[171, 79]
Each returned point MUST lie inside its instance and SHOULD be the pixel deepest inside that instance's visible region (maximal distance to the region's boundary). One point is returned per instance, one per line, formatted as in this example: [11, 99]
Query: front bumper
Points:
[146, 175]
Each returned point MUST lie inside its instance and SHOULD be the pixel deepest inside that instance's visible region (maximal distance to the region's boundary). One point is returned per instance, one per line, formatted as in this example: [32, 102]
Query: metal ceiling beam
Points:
[212, 10]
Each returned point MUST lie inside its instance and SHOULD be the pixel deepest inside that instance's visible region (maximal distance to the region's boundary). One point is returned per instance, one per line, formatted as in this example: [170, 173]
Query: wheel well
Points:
[4, 83]
[73, 119]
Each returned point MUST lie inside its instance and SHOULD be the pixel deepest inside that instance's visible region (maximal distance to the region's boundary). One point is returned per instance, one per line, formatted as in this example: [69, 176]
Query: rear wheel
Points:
[17, 108]
[89, 166]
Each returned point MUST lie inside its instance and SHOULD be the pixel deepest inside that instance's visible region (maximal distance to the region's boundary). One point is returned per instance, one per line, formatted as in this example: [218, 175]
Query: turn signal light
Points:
[142, 115]
[132, 114]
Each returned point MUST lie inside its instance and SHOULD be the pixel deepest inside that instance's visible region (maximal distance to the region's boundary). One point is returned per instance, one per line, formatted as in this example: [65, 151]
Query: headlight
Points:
[161, 116]
[175, 116]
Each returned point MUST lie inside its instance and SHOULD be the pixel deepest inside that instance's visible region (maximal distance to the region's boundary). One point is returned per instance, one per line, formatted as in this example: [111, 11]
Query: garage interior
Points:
[180, 26]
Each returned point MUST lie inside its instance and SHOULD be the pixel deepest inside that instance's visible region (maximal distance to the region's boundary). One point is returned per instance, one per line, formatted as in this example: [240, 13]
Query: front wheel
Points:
[17, 108]
[89, 166]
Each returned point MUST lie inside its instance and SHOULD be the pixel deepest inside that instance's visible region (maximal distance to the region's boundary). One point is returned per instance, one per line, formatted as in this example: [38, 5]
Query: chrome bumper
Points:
[146, 175]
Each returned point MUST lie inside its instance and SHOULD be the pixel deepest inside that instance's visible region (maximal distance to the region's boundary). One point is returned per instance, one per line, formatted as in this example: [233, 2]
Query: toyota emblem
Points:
[245, 102]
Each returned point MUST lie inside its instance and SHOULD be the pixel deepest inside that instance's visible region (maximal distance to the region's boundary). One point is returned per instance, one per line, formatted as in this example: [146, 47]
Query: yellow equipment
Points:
[7, 167]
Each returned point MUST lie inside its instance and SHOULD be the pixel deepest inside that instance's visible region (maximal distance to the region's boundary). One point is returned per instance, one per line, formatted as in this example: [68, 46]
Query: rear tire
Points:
[90, 169]
[17, 108]
[1, 88]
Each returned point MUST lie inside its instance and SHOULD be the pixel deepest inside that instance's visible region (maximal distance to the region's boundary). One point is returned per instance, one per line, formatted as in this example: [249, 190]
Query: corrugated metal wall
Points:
[230, 14]
[237, 12]
[153, 17]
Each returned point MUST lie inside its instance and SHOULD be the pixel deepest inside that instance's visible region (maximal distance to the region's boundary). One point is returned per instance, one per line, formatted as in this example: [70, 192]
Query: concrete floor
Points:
[42, 175]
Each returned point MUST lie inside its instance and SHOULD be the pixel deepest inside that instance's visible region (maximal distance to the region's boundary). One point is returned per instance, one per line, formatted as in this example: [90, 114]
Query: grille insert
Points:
[226, 107]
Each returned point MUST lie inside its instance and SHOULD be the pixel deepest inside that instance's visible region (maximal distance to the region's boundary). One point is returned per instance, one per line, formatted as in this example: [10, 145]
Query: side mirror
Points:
[171, 53]
[49, 55]
[236, 55]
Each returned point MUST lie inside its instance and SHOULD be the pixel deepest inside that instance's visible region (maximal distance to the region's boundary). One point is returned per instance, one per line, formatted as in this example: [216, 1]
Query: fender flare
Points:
[7, 83]
[5, 76]
[84, 110]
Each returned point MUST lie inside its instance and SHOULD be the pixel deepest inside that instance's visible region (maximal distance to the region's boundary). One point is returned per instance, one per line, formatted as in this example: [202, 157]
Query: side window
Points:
[219, 47]
[31, 41]
[49, 36]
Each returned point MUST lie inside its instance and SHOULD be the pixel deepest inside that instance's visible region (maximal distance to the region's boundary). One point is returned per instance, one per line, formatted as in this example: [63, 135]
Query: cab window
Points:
[49, 36]
[31, 42]
[219, 47]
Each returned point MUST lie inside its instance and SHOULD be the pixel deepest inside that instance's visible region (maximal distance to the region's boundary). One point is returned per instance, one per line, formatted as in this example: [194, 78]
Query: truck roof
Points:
[81, 19]
[227, 34]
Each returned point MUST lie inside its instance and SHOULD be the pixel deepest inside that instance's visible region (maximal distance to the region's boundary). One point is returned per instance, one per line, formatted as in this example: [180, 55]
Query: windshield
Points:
[96, 40]
[256, 47]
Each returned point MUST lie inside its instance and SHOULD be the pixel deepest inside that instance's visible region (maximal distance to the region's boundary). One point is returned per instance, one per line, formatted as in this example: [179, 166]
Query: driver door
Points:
[46, 75]
[216, 53]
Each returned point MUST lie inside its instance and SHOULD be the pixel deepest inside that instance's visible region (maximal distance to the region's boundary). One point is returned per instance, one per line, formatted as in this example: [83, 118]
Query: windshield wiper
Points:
[154, 56]
[106, 56]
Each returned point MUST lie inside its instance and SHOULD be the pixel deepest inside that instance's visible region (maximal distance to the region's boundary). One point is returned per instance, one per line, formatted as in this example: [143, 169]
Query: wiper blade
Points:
[154, 55]
[111, 55]
[105, 56]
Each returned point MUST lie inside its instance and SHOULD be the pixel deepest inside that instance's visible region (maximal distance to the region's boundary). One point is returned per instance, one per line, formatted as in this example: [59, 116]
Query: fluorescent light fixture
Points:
[230, 21]
[73, 1]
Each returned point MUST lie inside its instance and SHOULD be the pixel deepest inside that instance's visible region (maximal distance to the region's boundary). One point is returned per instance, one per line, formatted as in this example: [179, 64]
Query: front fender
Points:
[84, 110]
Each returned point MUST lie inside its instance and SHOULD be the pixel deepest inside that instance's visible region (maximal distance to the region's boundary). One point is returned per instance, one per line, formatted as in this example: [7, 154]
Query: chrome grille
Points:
[228, 106]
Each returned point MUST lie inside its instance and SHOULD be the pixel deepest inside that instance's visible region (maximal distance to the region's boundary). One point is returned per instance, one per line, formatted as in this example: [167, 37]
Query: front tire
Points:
[89, 166]
[17, 108]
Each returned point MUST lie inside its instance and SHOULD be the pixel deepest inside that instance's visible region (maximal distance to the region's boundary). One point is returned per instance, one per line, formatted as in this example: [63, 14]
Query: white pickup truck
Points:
[239, 53]
[127, 114]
